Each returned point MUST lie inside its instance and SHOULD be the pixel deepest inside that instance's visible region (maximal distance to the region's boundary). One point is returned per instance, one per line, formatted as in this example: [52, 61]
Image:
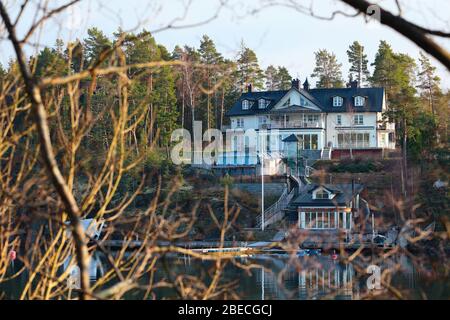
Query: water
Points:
[320, 277]
[265, 277]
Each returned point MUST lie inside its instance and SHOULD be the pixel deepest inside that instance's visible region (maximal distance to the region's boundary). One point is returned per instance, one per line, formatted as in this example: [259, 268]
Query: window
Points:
[314, 142]
[319, 220]
[359, 101]
[354, 140]
[262, 120]
[287, 103]
[391, 137]
[245, 105]
[262, 104]
[309, 141]
[322, 194]
[311, 118]
[338, 101]
[240, 122]
[303, 102]
[358, 119]
[339, 119]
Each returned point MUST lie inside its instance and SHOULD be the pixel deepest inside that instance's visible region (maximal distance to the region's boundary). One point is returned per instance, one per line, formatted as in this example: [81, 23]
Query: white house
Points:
[327, 122]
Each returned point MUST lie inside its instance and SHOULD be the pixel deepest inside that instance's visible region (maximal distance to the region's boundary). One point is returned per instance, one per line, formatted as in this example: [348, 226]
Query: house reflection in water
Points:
[315, 279]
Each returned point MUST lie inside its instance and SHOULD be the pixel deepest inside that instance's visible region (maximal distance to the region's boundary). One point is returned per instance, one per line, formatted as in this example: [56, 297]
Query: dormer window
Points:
[359, 101]
[262, 103]
[245, 105]
[322, 194]
[338, 101]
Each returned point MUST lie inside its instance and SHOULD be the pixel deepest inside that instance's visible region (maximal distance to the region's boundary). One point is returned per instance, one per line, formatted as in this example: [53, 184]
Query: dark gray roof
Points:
[291, 138]
[273, 96]
[343, 196]
[323, 98]
[374, 98]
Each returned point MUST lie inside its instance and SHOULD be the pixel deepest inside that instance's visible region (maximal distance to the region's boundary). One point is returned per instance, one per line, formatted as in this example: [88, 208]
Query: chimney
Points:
[249, 88]
[306, 85]
[354, 84]
[296, 84]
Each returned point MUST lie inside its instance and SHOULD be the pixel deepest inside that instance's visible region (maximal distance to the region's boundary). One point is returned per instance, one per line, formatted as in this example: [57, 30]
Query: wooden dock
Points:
[244, 248]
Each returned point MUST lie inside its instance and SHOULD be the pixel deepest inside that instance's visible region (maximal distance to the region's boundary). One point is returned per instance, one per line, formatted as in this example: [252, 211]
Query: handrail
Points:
[277, 207]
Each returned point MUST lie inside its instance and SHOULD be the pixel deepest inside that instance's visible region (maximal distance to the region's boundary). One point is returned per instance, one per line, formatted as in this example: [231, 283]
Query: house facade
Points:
[327, 122]
[326, 207]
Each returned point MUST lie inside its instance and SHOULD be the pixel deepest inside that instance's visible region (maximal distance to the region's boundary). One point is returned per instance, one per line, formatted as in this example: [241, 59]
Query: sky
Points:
[279, 35]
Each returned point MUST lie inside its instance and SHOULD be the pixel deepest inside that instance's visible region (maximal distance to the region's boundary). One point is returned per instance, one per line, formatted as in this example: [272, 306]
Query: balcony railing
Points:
[386, 126]
[290, 125]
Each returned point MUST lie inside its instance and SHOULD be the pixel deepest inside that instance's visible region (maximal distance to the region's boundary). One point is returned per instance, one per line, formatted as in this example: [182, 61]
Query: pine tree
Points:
[210, 57]
[358, 63]
[277, 78]
[271, 78]
[283, 79]
[384, 67]
[95, 44]
[248, 70]
[428, 83]
[327, 70]
[50, 62]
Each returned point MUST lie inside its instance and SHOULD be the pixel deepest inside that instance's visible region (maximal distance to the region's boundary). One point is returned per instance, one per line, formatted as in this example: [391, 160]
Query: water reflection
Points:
[306, 279]
[280, 277]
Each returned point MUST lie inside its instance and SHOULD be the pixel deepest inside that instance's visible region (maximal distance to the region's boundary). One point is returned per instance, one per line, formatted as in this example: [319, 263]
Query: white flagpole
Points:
[262, 185]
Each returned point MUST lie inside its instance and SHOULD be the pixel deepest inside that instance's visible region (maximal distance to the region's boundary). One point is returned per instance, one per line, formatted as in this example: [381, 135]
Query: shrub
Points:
[356, 166]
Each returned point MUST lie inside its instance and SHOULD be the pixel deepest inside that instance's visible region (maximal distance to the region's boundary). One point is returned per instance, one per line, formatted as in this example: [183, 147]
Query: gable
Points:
[295, 98]
[322, 189]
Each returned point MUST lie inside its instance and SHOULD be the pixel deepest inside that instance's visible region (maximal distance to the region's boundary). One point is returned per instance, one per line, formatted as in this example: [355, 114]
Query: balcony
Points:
[386, 126]
[290, 125]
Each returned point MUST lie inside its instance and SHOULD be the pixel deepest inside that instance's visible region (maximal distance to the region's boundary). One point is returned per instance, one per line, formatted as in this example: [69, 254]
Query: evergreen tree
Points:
[277, 78]
[164, 99]
[327, 70]
[358, 63]
[210, 57]
[384, 67]
[153, 92]
[96, 43]
[248, 70]
[50, 62]
[283, 79]
[271, 77]
[428, 83]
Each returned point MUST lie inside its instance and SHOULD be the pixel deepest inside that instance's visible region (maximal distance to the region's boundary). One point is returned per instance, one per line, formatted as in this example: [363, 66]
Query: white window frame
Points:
[354, 140]
[239, 122]
[339, 119]
[245, 105]
[262, 120]
[360, 101]
[324, 195]
[262, 104]
[338, 101]
[358, 119]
